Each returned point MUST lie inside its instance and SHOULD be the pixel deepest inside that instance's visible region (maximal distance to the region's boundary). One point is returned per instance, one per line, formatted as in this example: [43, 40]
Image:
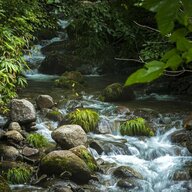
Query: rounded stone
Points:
[14, 126]
[14, 135]
[69, 136]
[44, 101]
[8, 152]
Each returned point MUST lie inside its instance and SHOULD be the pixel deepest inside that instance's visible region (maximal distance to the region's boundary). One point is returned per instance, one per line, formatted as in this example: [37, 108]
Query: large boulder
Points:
[44, 101]
[58, 63]
[63, 161]
[68, 136]
[22, 111]
[82, 152]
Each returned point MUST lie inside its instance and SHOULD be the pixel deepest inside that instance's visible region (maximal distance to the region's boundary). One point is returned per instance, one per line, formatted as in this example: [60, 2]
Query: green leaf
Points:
[183, 44]
[169, 54]
[179, 33]
[188, 56]
[153, 70]
[152, 5]
[174, 62]
[166, 15]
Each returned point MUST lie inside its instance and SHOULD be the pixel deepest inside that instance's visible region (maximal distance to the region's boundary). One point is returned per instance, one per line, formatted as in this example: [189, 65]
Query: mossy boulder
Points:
[116, 92]
[4, 187]
[70, 80]
[54, 115]
[61, 161]
[88, 119]
[112, 92]
[136, 127]
[82, 152]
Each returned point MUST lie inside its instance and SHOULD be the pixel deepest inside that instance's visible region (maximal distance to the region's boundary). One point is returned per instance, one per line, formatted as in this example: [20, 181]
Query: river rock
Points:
[22, 111]
[4, 187]
[189, 142]
[126, 172]
[126, 184]
[181, 175]
[180, 137]
[14, 126]
[82, 152]
[8, 152]
[28, 151]
[44, 101]
[58, 162]
[54, 115]
[188, 122]
[14, 136]
[97, 146]
[68, 136]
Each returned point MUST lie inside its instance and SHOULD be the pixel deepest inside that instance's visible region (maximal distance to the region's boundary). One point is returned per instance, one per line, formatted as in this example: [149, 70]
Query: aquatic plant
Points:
[37, 140]
[136, 127]
[86, 118]
[19, 175]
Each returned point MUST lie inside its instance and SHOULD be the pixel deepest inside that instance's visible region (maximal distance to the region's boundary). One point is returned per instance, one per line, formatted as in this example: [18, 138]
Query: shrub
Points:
[19, 175]
[136, 127]
[86, 118]
[37, 140]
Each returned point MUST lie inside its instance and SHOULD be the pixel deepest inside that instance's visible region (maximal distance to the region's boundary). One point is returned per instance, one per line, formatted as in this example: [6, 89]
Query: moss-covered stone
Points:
[112, 92]
[54, 115]
[70, 80]
[136, 127]
[4, 187]
[88, 119]
[82, 152]
[59, 162]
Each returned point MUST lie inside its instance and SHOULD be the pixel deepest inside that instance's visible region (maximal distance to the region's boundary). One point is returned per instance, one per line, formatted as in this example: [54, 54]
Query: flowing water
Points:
[155, 158]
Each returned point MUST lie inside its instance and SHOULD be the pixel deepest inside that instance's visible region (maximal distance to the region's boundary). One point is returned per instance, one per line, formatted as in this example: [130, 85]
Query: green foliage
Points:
[37, 140]
[136, 127]
[86, 118]
[169, 12]
[19, 175]
[19, 20]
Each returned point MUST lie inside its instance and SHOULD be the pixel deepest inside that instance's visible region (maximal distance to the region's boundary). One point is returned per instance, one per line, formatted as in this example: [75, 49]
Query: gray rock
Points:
[8, 152]
[68, 136]
[62, 161]
[14, 126]
[22, 111]
[44, 101]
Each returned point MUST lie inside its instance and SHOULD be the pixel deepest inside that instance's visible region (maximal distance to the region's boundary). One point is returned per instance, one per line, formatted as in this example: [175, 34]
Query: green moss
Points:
[4, 187]
[70, 80]
[54, 115]
[86, 118]
[19, 175]
[136, 127]
[37, 140]
[112, 92]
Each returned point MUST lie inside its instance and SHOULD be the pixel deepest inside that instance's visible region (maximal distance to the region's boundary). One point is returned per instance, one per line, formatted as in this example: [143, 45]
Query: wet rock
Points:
[28, 151]
[8, 152]
[188, 122]
[112, 92]
[180, 137]
[58, 63]
[54, 115]
[126, 172]
[126, 184]
[58, 162]
[14, 136]
[4, 187]
[60, 189]
[44, 101]
[181, 175]
[97, 146]
[22, 111]
[122, 110]
[82, 152]
[189, 142]
[68, 136]
[73, 75]
[14, 126]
